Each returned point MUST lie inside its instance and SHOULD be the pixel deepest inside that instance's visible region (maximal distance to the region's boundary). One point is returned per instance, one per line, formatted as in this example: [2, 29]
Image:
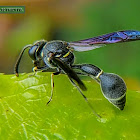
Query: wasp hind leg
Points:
[94, 112]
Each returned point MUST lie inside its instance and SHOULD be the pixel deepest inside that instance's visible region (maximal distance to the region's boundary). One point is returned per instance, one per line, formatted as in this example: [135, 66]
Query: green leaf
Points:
[25, 115]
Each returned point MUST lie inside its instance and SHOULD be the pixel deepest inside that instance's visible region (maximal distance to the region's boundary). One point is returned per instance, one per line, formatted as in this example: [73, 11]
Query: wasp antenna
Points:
[98, 116]
[19, 58]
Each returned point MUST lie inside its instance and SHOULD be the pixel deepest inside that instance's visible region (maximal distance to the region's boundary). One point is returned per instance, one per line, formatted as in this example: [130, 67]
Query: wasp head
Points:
[35, 50]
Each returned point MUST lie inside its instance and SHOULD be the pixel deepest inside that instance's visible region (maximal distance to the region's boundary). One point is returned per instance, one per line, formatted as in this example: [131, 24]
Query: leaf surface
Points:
[25, 115]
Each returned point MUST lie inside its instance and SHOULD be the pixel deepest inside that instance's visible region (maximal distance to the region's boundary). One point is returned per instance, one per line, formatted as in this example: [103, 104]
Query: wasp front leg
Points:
[44, 68]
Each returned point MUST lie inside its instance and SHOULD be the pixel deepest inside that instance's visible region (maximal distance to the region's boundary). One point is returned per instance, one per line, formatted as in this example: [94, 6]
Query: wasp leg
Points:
[36, 68]
[98, 116]
[35, 71]
[47, 69]
[52, 85]
[43, 69]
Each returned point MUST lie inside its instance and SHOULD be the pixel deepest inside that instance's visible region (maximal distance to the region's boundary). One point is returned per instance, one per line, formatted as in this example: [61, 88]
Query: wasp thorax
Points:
[114, 89]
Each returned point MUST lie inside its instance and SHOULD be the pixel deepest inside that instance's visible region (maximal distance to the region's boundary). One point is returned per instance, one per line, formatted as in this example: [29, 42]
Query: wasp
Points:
[58, 56]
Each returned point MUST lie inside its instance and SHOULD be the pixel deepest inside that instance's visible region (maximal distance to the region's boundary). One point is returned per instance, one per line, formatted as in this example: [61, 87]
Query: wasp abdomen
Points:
[120, 102]
[114, 89]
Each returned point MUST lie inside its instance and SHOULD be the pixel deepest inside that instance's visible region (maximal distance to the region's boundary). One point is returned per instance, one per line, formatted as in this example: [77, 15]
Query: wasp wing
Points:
[69, 71]
[100, 41]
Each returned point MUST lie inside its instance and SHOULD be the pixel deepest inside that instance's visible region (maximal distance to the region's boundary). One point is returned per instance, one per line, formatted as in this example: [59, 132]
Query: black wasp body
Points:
[58, 56]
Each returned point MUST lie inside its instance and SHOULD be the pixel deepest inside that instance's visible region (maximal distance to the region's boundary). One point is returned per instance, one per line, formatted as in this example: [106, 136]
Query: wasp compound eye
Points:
[32, 52]
[114, 89]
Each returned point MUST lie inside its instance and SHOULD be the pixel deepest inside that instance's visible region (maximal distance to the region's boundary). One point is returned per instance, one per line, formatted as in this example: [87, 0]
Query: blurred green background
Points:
[73, 20]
